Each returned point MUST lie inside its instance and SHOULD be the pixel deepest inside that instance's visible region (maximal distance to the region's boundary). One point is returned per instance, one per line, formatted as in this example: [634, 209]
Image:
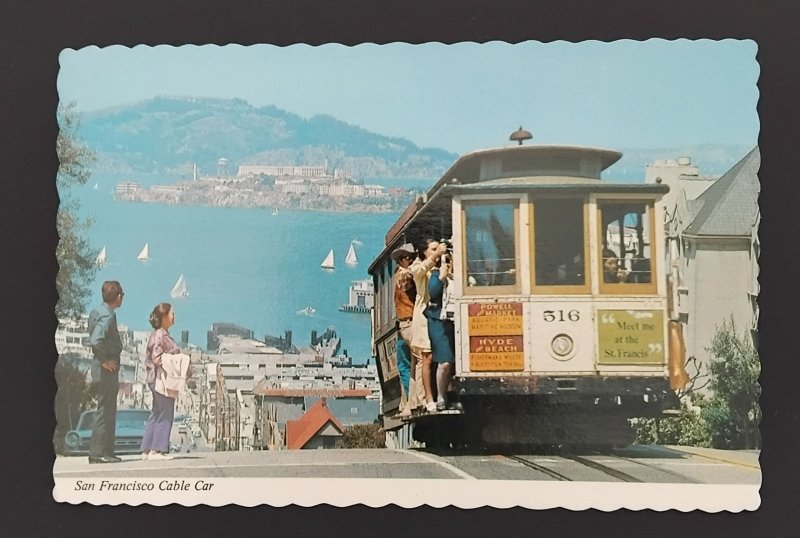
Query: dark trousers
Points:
[104, 430]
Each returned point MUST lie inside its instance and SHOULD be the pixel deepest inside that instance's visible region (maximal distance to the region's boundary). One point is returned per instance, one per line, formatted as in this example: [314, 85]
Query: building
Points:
[681, 176]
[127, 187]
[168, 189]
[361, 297]
[282, 170]
[317, 428]
[712, 240]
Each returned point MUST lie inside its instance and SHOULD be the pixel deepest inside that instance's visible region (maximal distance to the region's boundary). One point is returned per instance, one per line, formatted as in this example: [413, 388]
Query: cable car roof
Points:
[528, 161]
[557, 183]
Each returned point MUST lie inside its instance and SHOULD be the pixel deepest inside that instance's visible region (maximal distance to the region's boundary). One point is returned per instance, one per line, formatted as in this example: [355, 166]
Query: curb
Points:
[716, 455]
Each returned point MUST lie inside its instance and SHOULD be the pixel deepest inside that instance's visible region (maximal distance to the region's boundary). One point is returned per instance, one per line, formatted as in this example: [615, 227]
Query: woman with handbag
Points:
[155, 443]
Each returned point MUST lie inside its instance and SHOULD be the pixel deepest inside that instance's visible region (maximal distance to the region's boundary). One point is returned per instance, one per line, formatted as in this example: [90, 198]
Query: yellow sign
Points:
[630, 337]
[495, 337]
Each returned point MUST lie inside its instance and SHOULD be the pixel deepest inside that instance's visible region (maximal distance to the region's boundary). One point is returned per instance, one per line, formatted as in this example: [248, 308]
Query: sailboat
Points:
[275, 211]
[144, 255]
[351, 258]
[327, 263]
[101, 258]
[179, 290]
[97, 186]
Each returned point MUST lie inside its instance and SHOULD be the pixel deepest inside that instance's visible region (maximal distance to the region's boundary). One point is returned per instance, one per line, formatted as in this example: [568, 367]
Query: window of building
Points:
[627, 264]
[559, 247]
[490, 252]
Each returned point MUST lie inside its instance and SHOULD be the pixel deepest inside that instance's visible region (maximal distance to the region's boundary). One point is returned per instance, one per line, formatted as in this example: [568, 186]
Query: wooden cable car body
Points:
[557, 341]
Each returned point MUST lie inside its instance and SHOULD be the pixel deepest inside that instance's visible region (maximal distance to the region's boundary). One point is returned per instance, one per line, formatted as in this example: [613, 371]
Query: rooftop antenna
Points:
[519, 135]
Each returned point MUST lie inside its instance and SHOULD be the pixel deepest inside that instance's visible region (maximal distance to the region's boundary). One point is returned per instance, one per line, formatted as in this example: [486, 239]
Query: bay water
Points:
[243, 266]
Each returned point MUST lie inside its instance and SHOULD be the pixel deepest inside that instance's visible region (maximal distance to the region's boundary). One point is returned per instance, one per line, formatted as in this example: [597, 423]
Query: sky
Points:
[624, 94]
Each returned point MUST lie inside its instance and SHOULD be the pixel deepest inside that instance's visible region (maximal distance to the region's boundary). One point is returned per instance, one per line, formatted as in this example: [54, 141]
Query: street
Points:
[647, 464]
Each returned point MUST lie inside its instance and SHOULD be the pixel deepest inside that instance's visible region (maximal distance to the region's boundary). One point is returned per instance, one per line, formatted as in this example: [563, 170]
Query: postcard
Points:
[448, 275]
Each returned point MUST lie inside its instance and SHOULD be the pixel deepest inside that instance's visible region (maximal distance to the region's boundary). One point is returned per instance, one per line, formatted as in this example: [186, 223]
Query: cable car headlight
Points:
[562, 345]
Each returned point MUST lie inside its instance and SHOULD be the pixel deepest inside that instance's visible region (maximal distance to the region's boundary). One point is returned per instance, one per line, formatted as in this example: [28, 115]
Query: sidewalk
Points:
[745, 458]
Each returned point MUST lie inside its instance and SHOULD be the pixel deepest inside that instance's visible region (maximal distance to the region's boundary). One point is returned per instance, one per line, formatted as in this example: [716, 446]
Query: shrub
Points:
[363, 436]
[688, 429]
[733, 414]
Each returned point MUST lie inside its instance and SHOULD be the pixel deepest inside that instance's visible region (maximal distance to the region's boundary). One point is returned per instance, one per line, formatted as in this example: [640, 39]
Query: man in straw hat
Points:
[405, 293]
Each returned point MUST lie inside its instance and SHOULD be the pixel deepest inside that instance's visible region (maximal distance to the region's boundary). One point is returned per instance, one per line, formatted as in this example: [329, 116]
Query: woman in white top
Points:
[155, 443]
[429, 253]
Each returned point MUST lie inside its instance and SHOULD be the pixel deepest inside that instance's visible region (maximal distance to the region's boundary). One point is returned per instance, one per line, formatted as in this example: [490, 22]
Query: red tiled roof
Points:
[260, 390]
[299, 432]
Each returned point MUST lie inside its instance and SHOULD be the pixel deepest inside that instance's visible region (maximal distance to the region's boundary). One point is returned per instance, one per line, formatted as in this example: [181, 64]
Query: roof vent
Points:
[519, 135]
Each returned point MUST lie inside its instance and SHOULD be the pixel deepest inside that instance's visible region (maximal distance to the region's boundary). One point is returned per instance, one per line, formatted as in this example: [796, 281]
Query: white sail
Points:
[179, 290]
[275, 211]
[327, 263]
[101, 258]
[351, 258]
[97, 186]
[144, 255]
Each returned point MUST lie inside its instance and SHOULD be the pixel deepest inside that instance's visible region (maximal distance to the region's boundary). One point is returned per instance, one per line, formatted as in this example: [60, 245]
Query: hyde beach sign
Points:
[495, 337]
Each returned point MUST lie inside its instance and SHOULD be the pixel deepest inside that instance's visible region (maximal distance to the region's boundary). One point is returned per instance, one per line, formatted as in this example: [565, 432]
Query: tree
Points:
[73, 396]
[75, 255]
[733, 413]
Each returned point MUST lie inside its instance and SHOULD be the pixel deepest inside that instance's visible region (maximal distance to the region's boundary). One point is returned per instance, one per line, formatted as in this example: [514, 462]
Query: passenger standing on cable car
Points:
[441, 330]
[404, 296]
[429, 253]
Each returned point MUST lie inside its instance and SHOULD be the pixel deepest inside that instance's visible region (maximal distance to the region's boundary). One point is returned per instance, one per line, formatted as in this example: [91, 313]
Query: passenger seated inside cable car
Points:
[613, 272]
[626, 243]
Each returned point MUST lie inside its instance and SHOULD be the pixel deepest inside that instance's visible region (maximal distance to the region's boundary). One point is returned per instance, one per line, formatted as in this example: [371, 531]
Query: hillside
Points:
[166, 135]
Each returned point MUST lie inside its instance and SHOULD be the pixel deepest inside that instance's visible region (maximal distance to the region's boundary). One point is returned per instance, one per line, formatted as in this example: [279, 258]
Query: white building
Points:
[282, 170]
[713, 236]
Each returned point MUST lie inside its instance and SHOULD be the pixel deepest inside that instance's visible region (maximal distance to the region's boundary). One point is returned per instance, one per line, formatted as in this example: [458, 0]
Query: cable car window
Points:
[490, 254]
[559, 242]
[626, 241]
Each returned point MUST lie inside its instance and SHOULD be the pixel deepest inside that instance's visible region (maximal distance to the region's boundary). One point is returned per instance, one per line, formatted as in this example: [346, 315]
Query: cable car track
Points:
[539, 468]
[683, 477]
[605, 469]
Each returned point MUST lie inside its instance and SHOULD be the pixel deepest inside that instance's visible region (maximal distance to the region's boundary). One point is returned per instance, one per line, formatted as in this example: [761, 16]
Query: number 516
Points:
[560, 315]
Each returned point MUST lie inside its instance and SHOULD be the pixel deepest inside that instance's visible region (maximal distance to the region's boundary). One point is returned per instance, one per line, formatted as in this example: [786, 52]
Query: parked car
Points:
[129, 432]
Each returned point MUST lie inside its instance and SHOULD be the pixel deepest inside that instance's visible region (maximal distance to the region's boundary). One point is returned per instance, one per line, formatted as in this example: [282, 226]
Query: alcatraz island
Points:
[272, 187]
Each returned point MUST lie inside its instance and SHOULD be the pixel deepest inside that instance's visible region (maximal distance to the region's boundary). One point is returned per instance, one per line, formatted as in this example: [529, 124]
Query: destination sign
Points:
[496, 353]
[630, 336]
[495, 337]
[495, 319]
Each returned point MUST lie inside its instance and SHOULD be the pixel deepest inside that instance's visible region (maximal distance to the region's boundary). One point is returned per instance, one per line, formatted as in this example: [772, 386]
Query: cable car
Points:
[562, 307]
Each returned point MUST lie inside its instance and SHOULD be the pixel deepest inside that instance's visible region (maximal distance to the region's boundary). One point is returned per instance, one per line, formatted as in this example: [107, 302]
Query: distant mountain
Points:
[166, 135]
